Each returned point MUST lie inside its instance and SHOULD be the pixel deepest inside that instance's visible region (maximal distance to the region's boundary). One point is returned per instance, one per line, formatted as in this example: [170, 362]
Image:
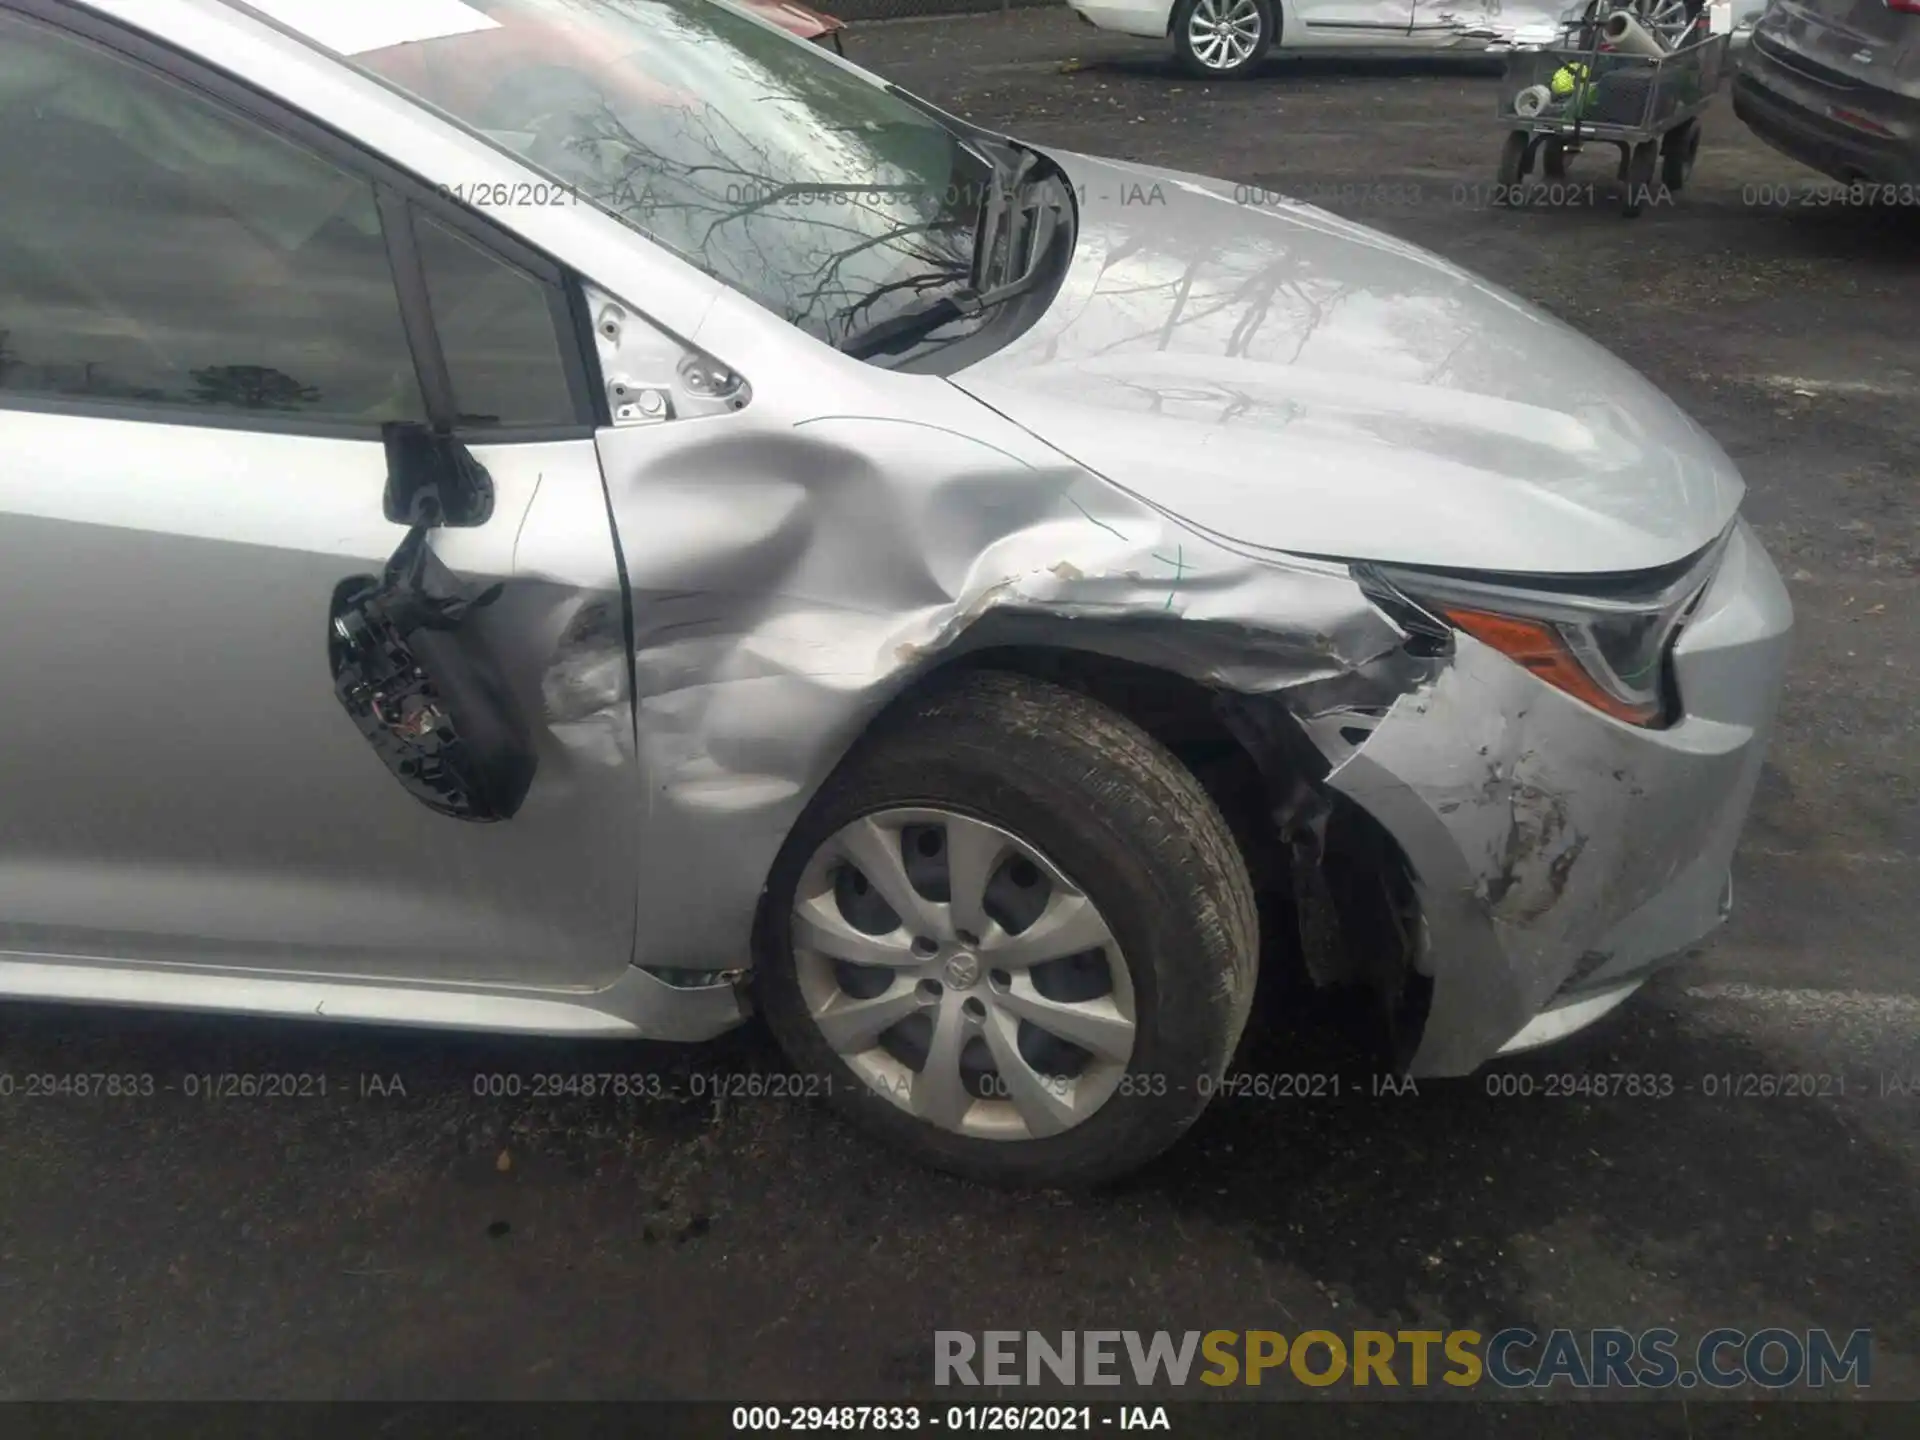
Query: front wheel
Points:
[1012, 937]
[1223, 39]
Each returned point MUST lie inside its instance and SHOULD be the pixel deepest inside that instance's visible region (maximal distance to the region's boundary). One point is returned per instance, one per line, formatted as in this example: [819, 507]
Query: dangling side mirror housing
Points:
[411, 664]
[433, 480]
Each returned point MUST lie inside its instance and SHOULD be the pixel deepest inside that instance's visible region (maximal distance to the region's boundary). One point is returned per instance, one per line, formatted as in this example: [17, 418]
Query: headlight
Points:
[1603, 639]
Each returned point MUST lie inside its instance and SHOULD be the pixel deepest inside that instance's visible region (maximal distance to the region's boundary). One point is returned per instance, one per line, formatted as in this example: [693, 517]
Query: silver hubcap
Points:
[1223, 33]
[961, 975]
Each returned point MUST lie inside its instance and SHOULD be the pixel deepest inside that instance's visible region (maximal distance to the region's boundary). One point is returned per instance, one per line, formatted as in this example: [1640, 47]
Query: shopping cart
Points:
[1558, 99]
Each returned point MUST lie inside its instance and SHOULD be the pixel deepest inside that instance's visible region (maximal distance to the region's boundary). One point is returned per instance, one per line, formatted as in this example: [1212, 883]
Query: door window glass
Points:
[158, 249]
[496, 328]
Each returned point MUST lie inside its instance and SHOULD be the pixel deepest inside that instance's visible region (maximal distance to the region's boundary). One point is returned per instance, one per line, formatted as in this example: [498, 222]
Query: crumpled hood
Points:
[1289, 380]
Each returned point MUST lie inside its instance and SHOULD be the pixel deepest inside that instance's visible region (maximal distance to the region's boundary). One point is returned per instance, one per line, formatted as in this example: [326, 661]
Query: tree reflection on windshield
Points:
[814, 191]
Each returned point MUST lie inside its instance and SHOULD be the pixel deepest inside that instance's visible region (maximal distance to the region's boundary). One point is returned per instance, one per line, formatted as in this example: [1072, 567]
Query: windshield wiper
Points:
[922, 320]
[969, 300]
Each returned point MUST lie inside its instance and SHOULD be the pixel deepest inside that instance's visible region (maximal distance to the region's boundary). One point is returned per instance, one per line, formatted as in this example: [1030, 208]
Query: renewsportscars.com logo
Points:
[1516, 1358]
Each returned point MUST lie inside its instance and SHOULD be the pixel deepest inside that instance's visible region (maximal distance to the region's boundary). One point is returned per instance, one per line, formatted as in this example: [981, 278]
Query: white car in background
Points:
[1227, 39]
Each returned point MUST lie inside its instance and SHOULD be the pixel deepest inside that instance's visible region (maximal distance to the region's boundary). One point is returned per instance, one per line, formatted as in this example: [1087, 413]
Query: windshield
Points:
[820, 194]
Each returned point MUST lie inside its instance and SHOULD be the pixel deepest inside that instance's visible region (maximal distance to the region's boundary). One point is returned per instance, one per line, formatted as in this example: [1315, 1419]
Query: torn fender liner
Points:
[423, 688]
[1525, 823]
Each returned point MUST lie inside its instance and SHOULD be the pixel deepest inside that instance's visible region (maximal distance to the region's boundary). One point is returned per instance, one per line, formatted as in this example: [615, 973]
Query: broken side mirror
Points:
[410, 664]
[432, 479]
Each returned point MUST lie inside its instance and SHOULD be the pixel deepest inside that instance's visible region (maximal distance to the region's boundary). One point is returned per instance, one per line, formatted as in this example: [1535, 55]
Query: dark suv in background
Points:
[1836, 85]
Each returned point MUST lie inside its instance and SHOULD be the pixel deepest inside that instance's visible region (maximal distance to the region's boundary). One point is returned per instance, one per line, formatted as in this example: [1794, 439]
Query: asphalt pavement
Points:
[404, 1237]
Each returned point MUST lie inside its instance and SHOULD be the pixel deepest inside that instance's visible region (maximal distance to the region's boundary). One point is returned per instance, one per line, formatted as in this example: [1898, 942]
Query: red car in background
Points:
[799, 20]
[535, 43]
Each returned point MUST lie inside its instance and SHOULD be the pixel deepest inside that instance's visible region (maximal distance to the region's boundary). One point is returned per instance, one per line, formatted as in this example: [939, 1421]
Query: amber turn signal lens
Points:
[1539, 647]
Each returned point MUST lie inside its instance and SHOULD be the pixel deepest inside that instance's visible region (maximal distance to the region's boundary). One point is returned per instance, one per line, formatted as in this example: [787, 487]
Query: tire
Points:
[1620, 98]
[1191, 14]
[1639, 179]
[1677, 154]
[1515, 154]
[1123, 821]
[1553, 160]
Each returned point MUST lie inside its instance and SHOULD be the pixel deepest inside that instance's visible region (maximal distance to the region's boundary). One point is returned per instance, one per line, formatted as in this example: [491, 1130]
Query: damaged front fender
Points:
[774, 619]
[795, 566]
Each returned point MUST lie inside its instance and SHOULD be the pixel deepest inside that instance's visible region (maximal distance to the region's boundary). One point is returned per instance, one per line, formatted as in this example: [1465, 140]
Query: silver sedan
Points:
[1228, 39]
[591, 516]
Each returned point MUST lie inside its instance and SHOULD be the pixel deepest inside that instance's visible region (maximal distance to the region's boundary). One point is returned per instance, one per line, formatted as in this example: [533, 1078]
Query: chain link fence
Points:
[856, 10]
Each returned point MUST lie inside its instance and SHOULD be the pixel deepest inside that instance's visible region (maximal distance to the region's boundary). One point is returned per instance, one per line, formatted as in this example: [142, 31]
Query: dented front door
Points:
[205, 320]
[180, 783]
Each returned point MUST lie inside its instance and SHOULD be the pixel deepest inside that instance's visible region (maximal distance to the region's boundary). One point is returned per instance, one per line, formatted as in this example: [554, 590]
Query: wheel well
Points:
[1176, 711]
[1182, 715]
[1360, 897]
